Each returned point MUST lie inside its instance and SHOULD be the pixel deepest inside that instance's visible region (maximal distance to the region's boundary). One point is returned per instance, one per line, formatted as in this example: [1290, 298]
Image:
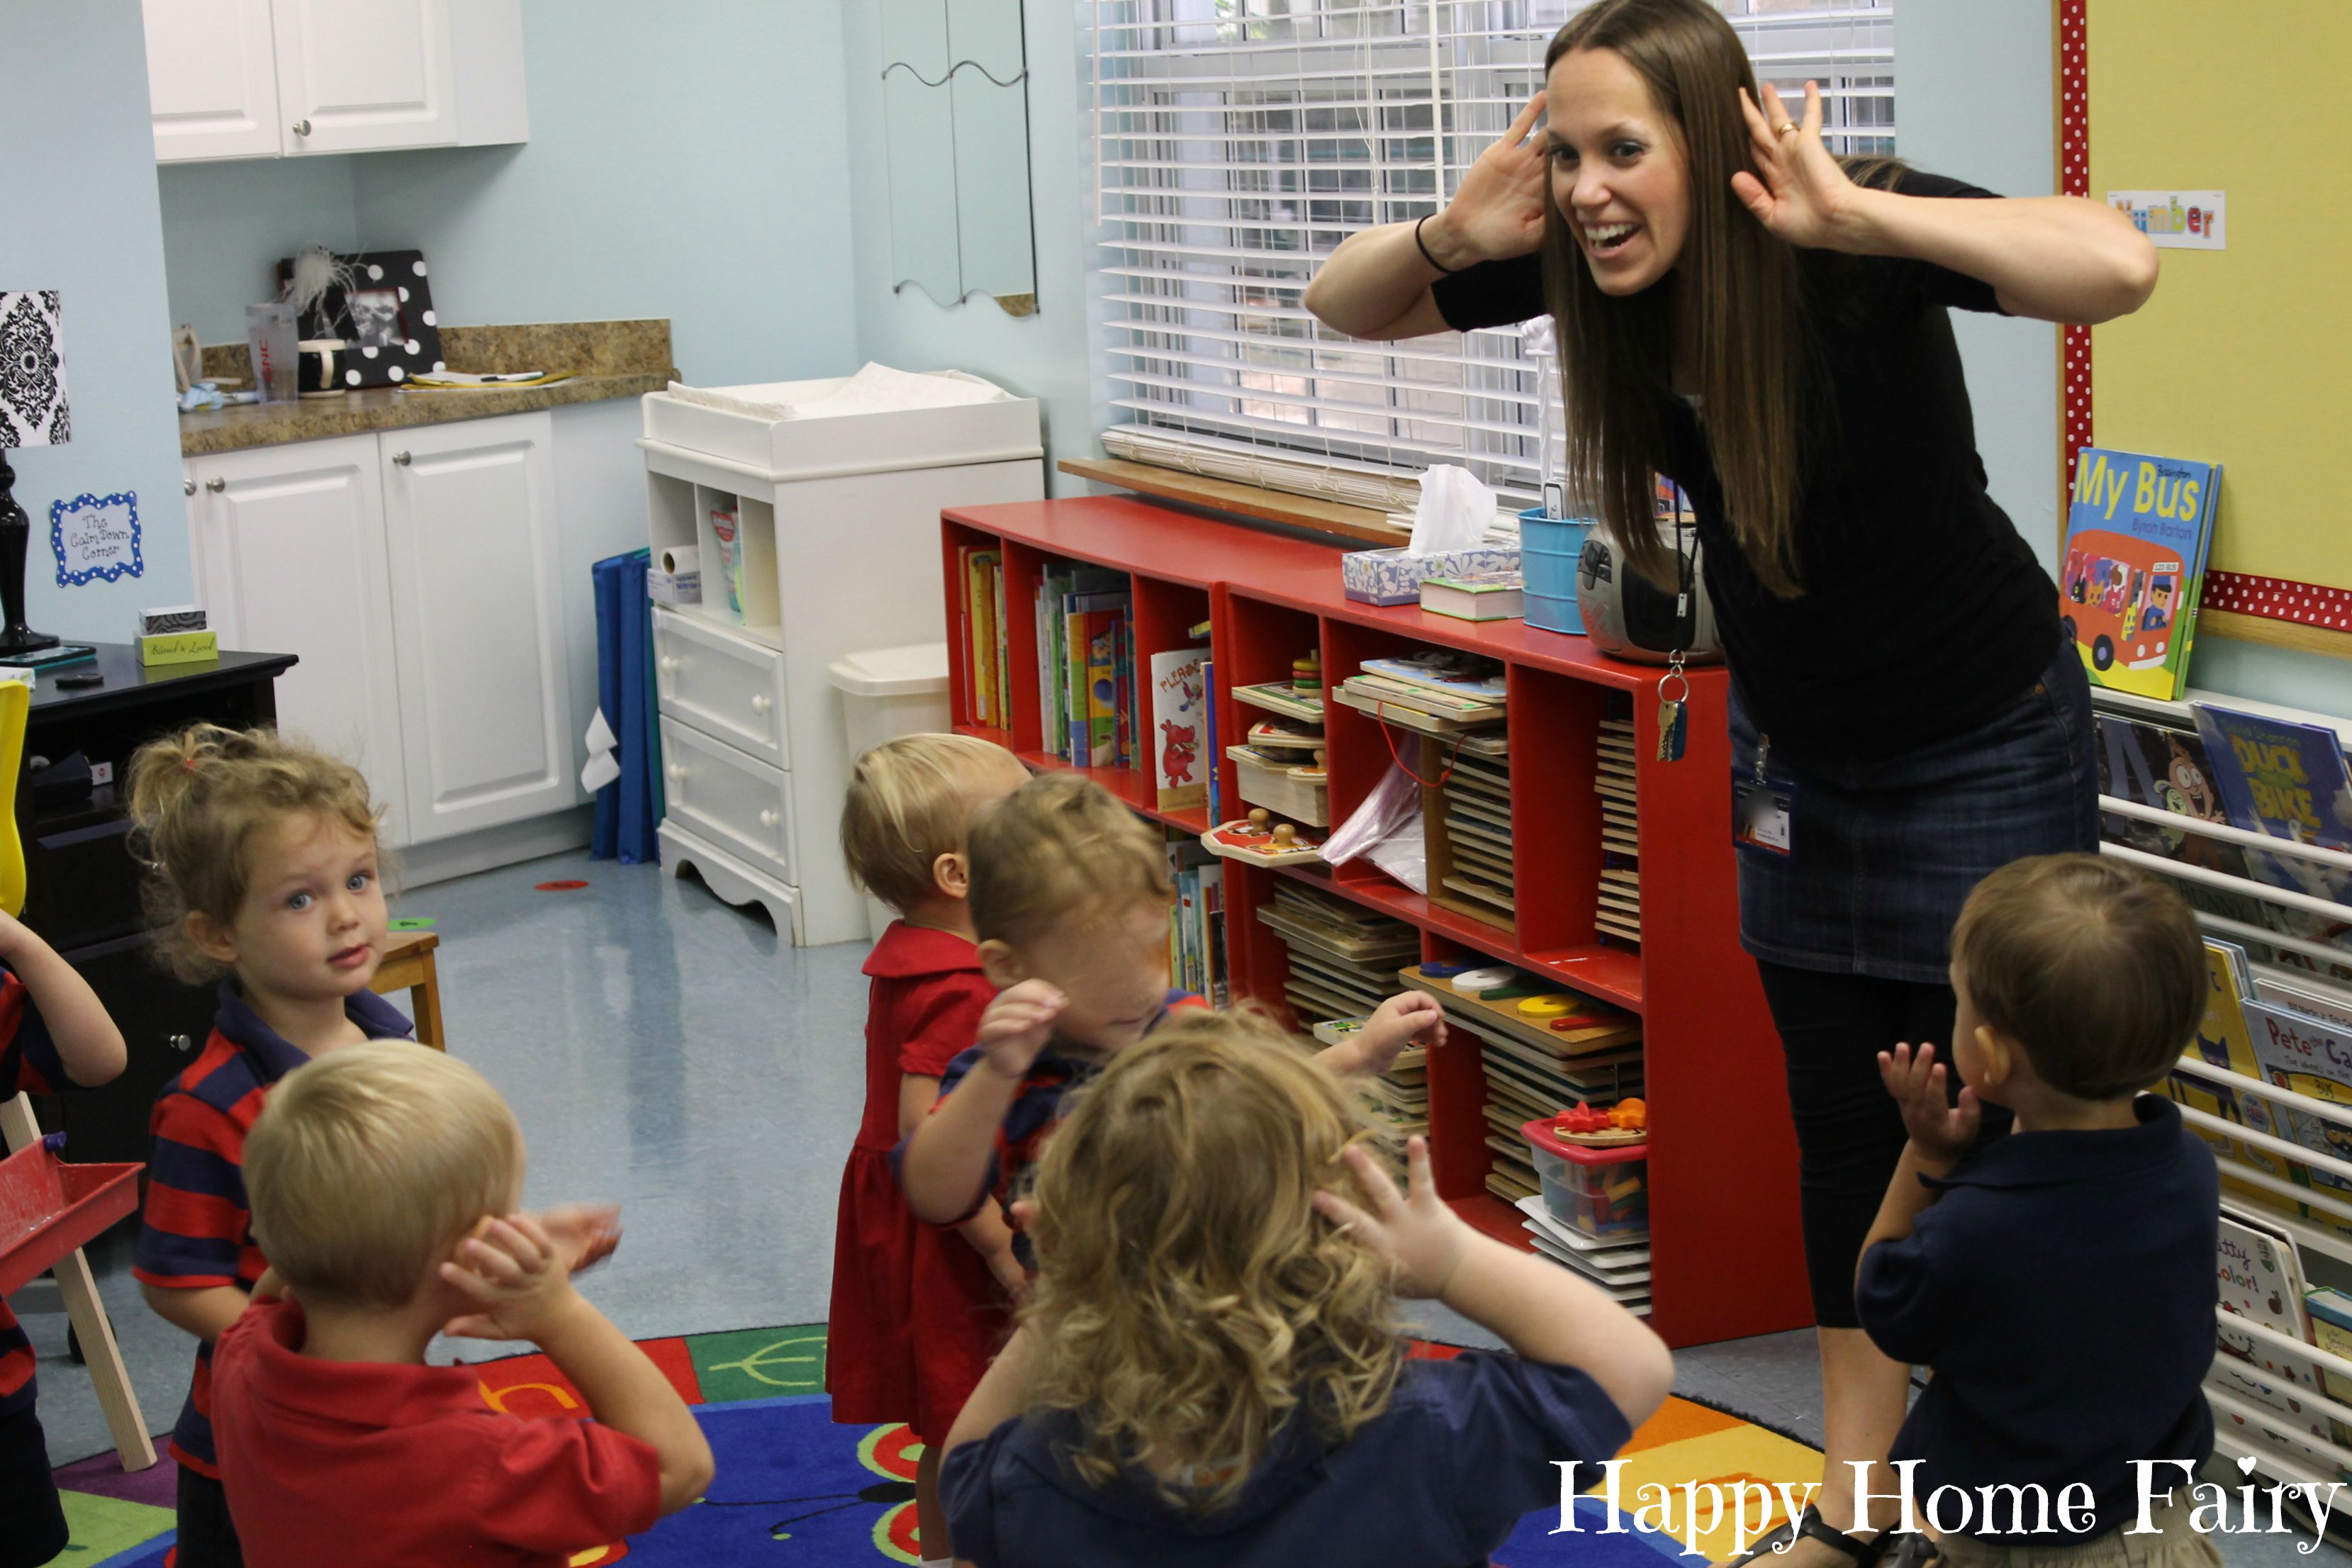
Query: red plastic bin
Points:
[47, 1208]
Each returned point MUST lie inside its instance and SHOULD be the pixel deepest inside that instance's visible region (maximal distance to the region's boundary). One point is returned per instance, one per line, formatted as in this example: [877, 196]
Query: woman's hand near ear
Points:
[1799, 190]
[1376, 285]
[1498, 210]
[2049, 258]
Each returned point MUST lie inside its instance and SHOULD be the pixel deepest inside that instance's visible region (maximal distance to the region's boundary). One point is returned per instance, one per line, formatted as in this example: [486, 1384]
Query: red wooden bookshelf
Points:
[1727, 1259]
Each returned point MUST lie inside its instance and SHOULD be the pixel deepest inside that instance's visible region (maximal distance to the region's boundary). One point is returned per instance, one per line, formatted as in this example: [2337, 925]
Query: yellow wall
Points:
[2244, 355]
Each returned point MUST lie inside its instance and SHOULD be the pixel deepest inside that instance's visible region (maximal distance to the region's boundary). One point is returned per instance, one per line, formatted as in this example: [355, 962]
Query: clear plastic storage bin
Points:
[1600, 1191]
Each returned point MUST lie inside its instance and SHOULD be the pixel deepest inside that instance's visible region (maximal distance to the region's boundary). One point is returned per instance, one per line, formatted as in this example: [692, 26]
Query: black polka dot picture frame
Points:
[384, 319]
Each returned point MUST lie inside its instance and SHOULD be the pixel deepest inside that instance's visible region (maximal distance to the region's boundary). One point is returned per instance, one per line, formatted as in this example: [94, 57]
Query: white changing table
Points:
[838, 522]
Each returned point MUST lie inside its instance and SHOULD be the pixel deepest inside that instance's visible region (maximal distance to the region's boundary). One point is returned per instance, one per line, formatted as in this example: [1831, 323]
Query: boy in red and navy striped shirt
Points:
[263, 859]
[198, 1233]
[1069, 896]
[55, 1036]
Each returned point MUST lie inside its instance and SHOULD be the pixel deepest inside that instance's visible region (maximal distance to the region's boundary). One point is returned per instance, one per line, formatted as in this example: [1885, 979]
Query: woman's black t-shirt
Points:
[1923, 612]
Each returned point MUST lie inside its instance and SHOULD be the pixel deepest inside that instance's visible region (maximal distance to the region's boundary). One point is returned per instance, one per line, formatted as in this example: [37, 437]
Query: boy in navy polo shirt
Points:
[2059, 1281]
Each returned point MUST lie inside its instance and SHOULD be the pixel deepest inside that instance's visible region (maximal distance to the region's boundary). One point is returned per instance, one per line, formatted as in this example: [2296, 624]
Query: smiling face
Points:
[1619, 172]
[1112, 969]
[313, 924]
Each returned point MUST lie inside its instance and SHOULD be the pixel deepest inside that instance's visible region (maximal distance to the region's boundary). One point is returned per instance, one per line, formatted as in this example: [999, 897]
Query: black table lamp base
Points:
[16, 537]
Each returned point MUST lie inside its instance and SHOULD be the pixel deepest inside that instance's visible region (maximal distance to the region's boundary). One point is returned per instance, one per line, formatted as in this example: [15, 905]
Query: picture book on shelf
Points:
[2221, 1042]
[1213, 774]
[2287, 779]
[2313, 1060]
[2166, 767]
[1078, 605]
[2260, 1279]
[2331, 1331]
[1180, 728]
[2298, 993]
[2137, 528]
[983, 620]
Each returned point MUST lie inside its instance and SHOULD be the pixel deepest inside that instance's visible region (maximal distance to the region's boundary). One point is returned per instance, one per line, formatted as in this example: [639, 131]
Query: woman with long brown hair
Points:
[1742, 312]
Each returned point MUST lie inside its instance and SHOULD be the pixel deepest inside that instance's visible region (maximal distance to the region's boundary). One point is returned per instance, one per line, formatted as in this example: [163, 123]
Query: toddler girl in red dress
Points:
[918, 1310]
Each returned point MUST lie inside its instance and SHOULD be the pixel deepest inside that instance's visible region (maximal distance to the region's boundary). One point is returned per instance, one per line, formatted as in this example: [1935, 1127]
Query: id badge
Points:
[1763, 817]
[1764, 807]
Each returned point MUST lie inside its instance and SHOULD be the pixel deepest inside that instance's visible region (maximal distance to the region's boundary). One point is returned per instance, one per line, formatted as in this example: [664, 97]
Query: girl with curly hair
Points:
[1209, 1369]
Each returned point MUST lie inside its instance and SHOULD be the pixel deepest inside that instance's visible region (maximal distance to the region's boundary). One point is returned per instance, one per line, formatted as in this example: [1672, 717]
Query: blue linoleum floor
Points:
[670, 1054]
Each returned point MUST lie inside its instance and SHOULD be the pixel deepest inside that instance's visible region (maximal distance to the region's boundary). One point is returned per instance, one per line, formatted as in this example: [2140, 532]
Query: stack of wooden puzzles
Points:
[1618, 901]
[1343, 966]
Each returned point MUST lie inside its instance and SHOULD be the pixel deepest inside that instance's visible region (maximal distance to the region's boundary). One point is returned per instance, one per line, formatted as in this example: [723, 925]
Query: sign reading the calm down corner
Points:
[2177, 220]
[96, 537]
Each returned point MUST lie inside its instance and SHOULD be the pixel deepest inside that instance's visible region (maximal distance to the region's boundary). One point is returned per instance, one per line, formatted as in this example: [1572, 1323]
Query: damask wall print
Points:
[33, 406]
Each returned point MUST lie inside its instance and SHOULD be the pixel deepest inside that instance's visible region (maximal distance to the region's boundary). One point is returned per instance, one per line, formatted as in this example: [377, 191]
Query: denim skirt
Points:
[1886, 849]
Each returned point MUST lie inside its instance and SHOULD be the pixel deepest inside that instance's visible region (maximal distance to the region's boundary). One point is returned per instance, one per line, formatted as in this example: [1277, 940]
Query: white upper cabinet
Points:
[212, 79]
[246, 79]
[355, 75]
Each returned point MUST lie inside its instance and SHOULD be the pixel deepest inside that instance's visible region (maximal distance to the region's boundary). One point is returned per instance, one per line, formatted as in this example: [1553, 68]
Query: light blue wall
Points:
[685, 160]
[227, 226]
[1048, 356]
[1972, 100]
[77, 189]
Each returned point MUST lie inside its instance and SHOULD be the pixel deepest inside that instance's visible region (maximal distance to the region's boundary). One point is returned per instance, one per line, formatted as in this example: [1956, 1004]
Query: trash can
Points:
[886, 692]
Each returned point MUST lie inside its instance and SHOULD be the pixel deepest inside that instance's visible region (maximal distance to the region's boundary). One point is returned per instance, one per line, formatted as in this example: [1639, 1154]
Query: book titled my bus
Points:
[2137, 528]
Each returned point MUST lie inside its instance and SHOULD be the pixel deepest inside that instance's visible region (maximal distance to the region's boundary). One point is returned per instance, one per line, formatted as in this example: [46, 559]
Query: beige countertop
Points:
[608, 359]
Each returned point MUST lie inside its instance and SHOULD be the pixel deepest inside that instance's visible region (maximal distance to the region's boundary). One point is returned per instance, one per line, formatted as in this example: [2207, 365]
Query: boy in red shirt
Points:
[385, 1181]
[917, 1310]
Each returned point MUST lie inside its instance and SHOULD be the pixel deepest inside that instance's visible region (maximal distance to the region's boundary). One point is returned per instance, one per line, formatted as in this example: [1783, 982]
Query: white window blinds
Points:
[1238, 141]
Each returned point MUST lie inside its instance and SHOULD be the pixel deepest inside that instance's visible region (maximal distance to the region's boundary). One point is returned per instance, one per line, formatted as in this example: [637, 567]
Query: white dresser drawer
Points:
[725, 686]
[738, 803]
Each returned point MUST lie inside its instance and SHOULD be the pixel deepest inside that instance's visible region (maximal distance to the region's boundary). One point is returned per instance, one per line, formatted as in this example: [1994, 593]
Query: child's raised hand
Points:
[1394, 1024]
[1017, 1024]
[585, 1234]
[1942, 1130]
[516, 1271]
[1420, 1238]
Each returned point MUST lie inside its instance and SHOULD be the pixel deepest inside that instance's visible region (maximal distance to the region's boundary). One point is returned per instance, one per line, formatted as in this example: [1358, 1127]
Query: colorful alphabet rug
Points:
[793, 1489]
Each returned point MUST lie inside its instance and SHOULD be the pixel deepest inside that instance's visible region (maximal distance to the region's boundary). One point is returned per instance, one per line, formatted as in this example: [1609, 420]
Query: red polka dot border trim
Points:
[2074, 180]
[2279, 599]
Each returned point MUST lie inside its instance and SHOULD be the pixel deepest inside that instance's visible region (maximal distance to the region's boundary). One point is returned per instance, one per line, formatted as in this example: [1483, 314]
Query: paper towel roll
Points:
[679, 559]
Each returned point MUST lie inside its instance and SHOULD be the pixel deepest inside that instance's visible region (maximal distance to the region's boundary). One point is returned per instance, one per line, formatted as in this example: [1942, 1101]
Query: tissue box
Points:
[1395, 576]
[674, 587]
[171, 618]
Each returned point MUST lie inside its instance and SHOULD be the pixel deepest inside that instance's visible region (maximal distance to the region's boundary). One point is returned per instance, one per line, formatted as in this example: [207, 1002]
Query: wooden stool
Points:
[113, 1193]
[409, 967]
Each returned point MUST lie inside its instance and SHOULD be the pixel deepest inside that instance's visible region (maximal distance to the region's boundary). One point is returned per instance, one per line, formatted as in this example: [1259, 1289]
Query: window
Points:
[1238, 141]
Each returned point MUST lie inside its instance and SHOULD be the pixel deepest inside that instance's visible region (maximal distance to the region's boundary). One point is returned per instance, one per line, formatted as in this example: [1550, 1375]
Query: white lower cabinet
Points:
[414, 574]
[288, 549]
[477, 624]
